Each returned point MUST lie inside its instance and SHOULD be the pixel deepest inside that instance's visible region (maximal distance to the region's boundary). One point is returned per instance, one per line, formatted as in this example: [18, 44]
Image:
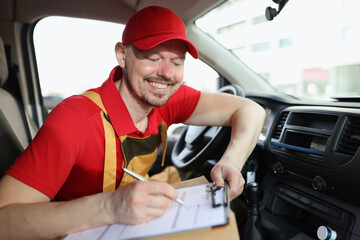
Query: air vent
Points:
[280, 124]
[350, 139]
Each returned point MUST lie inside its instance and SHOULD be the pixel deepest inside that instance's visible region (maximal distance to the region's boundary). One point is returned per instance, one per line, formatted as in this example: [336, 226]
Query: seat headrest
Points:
[4, 72]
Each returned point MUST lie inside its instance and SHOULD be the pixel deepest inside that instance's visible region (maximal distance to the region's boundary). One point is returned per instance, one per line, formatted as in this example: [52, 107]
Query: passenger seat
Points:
[14, 129]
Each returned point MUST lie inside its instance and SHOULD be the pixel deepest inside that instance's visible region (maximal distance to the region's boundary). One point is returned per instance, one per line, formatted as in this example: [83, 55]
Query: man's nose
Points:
[166, 69]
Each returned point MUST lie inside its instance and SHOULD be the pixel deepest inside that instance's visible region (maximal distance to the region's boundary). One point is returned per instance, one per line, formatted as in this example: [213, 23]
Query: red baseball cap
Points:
[154, 25]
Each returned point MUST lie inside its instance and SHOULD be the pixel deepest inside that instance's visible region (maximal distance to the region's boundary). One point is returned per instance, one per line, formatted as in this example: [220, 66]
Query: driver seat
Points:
[15, 133]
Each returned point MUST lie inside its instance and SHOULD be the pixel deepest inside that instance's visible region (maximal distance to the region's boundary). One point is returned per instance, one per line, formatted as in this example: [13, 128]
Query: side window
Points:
[199, 75]
[74, 55]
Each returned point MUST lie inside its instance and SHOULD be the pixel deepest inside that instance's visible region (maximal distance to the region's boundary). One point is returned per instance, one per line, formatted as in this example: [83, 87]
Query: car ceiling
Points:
[119, 11]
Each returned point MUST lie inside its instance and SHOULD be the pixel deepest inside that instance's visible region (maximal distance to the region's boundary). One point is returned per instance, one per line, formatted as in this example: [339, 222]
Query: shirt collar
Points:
[119, 115]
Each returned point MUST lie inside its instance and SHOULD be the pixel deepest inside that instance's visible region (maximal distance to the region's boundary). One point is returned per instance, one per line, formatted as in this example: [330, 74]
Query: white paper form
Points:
[197, 213]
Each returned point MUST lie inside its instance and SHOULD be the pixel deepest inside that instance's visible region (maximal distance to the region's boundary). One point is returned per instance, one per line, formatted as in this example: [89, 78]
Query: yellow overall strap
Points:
[109, 177]
[163, 132]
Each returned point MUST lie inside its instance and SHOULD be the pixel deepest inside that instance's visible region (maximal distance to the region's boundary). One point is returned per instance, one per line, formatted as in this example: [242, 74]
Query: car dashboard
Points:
[311, 164]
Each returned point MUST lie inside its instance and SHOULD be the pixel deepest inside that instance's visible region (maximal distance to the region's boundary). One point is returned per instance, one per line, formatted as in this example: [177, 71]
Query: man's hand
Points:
[227, 171]
[140, 202]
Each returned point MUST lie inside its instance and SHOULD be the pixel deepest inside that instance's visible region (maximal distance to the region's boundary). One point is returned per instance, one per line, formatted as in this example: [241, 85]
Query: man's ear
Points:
[120, 54]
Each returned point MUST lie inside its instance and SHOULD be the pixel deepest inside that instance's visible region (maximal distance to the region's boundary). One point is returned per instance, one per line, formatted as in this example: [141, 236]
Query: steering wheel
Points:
[198, 144]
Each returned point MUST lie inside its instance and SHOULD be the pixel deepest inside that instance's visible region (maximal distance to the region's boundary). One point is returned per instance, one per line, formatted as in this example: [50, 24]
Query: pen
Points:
[141, 178]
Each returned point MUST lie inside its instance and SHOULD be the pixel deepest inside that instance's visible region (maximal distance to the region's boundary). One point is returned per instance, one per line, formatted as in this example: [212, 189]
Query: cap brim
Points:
[152, 41]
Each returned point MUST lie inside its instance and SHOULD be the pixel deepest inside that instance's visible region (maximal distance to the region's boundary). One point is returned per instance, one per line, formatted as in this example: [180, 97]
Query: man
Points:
[69, 158]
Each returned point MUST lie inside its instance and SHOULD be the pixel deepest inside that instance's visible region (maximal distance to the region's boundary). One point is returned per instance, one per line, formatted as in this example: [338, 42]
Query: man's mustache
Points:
[158, 78]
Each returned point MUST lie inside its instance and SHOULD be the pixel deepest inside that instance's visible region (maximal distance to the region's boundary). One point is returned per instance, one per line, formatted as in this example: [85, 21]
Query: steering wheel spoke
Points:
[184, 154]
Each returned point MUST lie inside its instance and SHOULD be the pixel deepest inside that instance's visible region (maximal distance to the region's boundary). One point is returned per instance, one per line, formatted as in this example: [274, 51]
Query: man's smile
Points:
[158, 85]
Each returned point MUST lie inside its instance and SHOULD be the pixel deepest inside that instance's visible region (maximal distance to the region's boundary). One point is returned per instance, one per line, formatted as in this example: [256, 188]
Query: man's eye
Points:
[153, 59]
[178, 63]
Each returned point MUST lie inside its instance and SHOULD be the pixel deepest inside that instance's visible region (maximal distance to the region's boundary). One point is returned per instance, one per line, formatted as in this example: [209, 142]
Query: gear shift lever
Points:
[253, 228]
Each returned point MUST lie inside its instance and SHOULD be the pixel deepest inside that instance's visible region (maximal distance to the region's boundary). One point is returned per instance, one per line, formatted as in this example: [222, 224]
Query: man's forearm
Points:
[246, 125]
[50, 220]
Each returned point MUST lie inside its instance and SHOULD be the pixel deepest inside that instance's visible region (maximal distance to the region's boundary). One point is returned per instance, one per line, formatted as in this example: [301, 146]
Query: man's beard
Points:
[144, 96]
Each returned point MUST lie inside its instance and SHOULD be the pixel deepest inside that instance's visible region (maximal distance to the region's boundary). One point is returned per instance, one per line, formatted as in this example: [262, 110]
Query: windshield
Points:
[310, 49]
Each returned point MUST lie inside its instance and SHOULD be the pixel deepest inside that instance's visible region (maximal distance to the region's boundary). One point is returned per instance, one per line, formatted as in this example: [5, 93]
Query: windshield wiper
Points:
[346, 98]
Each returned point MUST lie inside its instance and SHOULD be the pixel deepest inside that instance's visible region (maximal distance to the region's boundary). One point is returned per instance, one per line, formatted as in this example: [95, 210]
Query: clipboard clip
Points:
[213, 189]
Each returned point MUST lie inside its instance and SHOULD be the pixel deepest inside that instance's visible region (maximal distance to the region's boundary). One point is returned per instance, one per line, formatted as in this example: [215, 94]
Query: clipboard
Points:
[229, 231]
[218, 201]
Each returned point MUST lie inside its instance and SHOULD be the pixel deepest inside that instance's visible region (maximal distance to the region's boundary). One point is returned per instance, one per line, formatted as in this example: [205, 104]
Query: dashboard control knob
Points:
[278, 168]
[319, 184]
[326, 233]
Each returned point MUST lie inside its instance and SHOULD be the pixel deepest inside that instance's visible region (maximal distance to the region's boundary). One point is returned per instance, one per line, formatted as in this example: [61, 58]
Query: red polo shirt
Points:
[66, 157]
